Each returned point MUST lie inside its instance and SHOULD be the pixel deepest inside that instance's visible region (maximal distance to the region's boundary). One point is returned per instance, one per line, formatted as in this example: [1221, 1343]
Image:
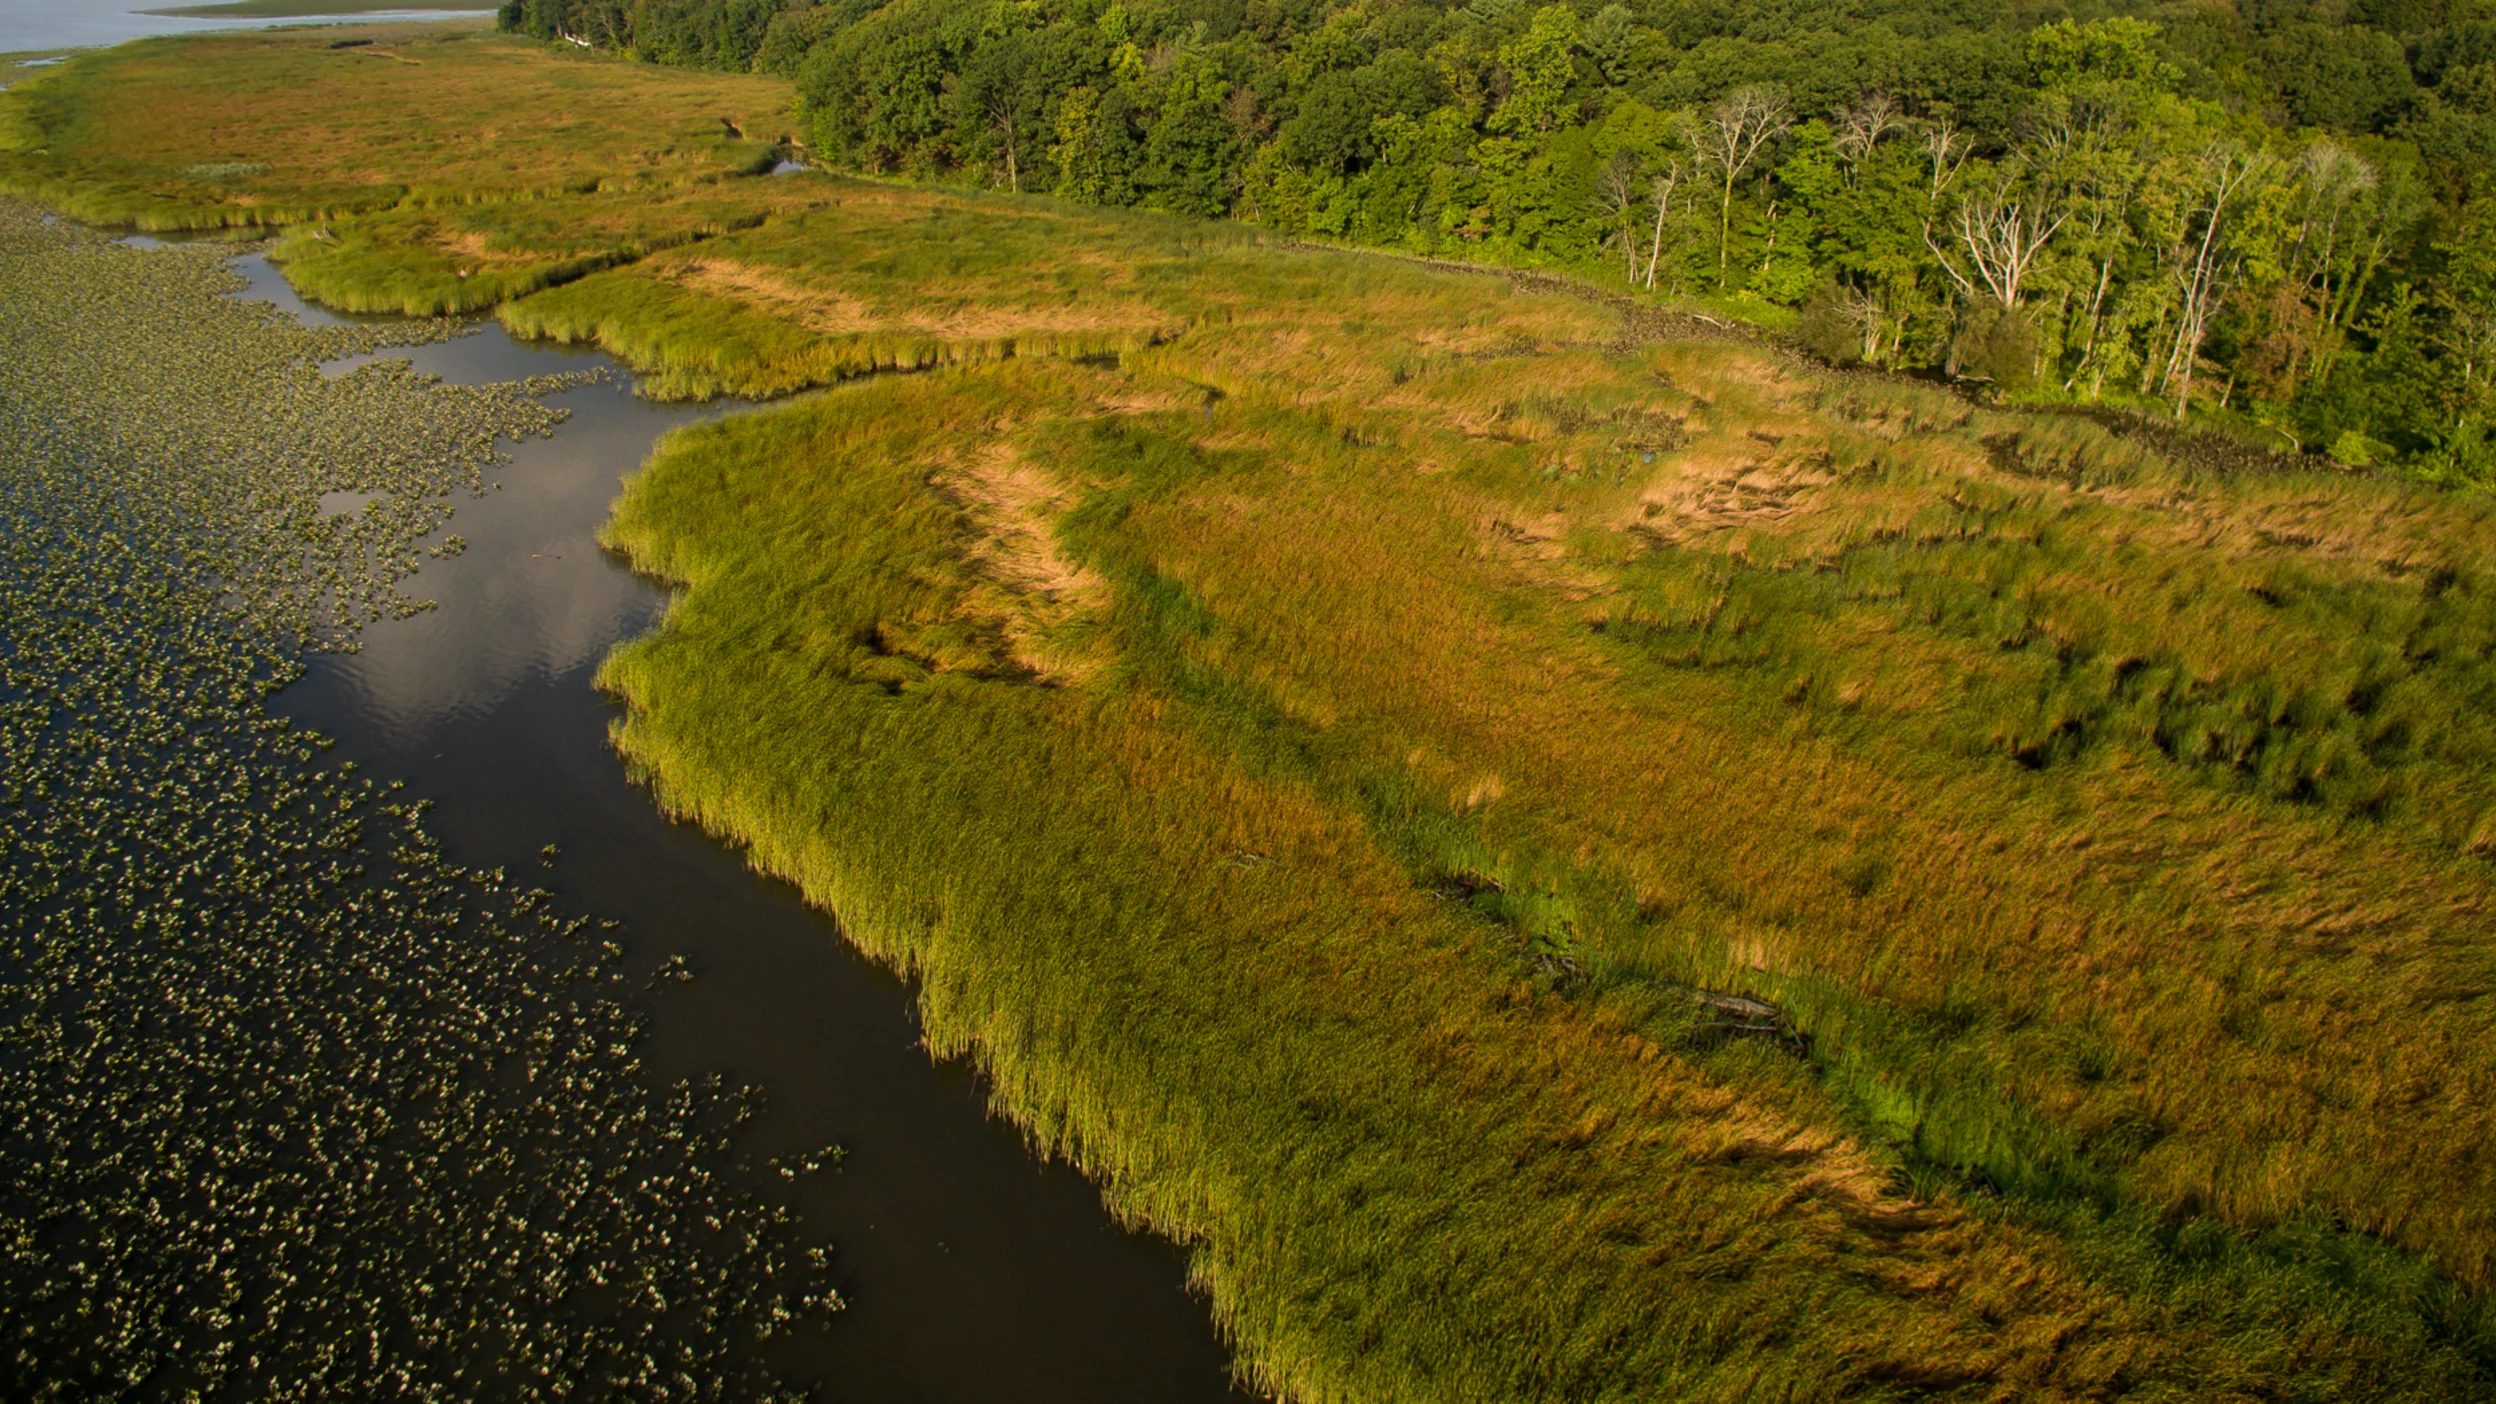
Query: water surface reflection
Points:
[974, 1272]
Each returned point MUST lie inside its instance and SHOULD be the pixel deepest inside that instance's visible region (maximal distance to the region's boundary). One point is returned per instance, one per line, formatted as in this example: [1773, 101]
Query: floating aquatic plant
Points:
[290, 1106]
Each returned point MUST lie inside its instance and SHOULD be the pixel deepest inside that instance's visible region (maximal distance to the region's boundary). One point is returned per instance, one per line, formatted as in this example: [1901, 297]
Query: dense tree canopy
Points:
[2281, 214]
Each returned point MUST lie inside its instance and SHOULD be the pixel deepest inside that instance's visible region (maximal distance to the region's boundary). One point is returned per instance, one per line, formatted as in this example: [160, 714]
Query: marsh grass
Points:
[1321, 729]
[420, 116]
[447, 260]
[2097, 824]
[873, 279]
[1193, 918]
[290, 9]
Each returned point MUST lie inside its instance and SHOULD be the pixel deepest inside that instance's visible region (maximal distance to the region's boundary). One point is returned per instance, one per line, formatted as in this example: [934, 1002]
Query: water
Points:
[28, 26]
[974, 1272]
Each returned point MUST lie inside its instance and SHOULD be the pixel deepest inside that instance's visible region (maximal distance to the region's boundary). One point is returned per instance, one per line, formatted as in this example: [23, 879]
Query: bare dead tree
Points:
[1001, 115]
[2062, 128]
[1618, 196]
[2103, 195]
[1945, 150]
[1241, 111]
[1864, 314]
[2472, 337]
[1860, 127]
[2334, 215]
[1660, 188]
[1729, 137]
[2330, 180]
[2227, 173]
[2002, 231]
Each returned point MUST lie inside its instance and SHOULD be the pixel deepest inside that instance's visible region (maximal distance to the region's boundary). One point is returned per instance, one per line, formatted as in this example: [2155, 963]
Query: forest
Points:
[2277, 220]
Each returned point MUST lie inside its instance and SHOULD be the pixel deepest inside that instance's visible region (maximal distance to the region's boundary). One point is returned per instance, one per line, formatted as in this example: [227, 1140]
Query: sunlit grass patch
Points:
[288, 9]
[447, 260]
[304, 130]
[864, 278]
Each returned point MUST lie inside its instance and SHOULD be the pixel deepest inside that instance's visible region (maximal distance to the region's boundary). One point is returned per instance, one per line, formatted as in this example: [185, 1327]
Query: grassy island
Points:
[304, 9]
[1567, 852]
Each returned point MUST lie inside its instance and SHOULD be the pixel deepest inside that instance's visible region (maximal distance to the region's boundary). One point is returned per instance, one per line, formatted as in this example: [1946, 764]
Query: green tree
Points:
[1540, 73]
[1093, 152]
[1191, 149]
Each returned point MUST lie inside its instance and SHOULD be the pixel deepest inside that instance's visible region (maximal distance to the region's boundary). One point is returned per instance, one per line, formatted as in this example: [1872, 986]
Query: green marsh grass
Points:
[291, 9]
[420, 115]
[1181, 913]
[448, 260]
[872, 278]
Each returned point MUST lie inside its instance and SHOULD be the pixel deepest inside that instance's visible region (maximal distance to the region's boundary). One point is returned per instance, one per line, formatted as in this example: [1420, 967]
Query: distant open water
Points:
[67, 24]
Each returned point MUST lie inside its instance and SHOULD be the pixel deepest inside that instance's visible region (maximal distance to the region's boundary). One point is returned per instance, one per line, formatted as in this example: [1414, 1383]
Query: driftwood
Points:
[1720, 1015]
[1742, 1016]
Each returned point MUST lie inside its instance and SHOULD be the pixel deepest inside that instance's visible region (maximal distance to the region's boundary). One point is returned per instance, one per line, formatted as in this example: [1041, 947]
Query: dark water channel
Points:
[973, 1271]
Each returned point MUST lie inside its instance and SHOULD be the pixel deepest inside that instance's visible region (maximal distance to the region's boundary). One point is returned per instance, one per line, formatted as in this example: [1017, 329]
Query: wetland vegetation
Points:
[296, 1108]
[2272, 217]
[291, 9]
[1565, 851]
